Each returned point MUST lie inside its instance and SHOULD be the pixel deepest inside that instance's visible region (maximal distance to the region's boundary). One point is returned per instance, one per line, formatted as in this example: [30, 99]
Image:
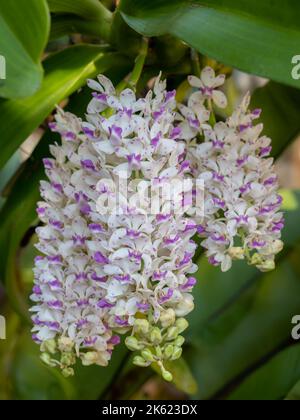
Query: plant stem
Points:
[139, 65]
[196, 63]
[212, 119]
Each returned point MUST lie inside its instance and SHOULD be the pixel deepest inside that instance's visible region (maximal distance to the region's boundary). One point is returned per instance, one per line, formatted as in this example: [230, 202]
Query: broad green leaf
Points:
[66, 72]
[273, 380]
[294, 394]
[24, 30]
[259, 37]
[68, 25]
[280, 105]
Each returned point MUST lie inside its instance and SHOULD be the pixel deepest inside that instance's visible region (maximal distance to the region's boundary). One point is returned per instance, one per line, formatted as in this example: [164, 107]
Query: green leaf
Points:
[259, 37]
[280, 105]
[294, 394]
[24, 30]
[274, 379]
[66, 72]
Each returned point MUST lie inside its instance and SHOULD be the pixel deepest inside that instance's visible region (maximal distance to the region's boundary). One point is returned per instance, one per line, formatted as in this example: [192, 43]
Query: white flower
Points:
[207, 85]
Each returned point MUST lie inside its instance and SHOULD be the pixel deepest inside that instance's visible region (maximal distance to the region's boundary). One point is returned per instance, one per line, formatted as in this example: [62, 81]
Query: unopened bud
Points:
[49, 346]
[141, 326]
[185, 306]
[133, 344]
[89, 358]
[46, 358]
[65, 344]
[140, 361]
[67, 372]
[155, 336]
[256, 259]
[268, 265]
[179, 341]
[274, 248]
[236, 253]
[167, 376]
[181, 325]
[177, 353]
[167, 318]
[172, 333]
[168, 352]
[148, 355]
[68, 359]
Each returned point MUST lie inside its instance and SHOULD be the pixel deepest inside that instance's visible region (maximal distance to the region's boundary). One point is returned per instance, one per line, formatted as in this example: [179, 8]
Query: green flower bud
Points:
[155, 336]
[167, 376]
[68, 359]
[89, 358]
[141, 326]
[168, 351]
[177, 353]
[167, 318]
[65, 344]
[172, 333]
[237, 253]
[158, 352]
[148, 355]
[46, 358]
[49, 346]
[140, 361]
[179, 341]
[181, 325]
[133, 344]
[268, 265]
[256, 259]
[67, 372]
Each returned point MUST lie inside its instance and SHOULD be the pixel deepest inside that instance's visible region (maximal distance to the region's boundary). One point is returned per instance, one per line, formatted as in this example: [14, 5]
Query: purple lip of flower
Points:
[242, 219]
[278, 226]
[38, 259]
[258, 244]
[79, 197]
[244, 127]
[201, 229]
[207, 91]
[101, 97]
[81, 276]
[189, 284]
[133, 234]
[121, 322]
[58, 188]
[189, 227]
[245, 188]
[265, 151]
[55, 304]
[271, 181]
[52, 126]
[78, 240]
[37, 290]
[186, 260]
[219, 238]
[185, 166]
[158, 114]
[143, 307]
[103, 303]
[116, 131]
[115, 340]
[218, 177]
[134, 161]
[56, 224]
[212, 260]
[55, 284]
[47, 164]
[126, 278]
[159, 275]
[127, 111]
[240, 162]
[176, 133]
[101, 259]
[55, 326]
[88, 164]
[217, 144]
[170, 241]
[82, 323]
[85, 209]
[256, 113]
[56, 259]
[194, 123]
[69, 135]
[96, 228]
[36, 339]
[170, 95]
[41, 211]
[155, 141]
[219, 203]
[82, 302]
[99, 279]
[90, 341]
[163, 217]
[88, 132]
[166, 297]
[135, 255]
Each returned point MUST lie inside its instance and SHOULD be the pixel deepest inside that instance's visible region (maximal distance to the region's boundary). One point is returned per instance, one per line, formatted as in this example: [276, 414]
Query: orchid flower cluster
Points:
[117, 264]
